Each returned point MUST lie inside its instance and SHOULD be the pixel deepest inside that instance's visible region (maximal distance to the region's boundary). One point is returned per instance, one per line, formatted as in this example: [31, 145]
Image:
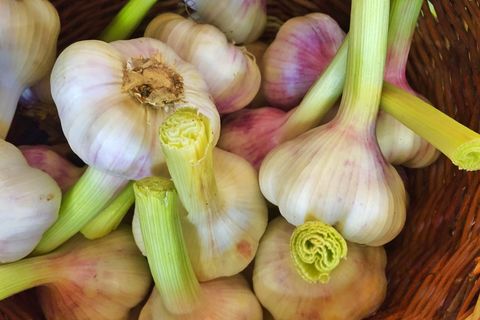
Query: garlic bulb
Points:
[224, 298]
[355, 289]
[178, 294]
[111, 98]
[29, 204]
[227, 214]
[28, 33]
[399, 144]
[235, 78]
[243, 21]
[44, 158]
[336, 173]
[100, 280]
[302, 49]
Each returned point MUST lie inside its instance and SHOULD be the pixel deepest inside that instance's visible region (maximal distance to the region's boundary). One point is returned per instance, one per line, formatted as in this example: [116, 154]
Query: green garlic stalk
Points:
[127, 20]
[178, 294]
[110, 217]
[227, 214]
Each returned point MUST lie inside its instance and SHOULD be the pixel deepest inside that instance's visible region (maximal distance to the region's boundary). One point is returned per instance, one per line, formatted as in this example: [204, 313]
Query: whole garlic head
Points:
[29, 204]
[28, 35]
[232, 76]
[336, 174]
[112, 97]
[243, 21]
[303, 48]
[356, 288]
[224, 298]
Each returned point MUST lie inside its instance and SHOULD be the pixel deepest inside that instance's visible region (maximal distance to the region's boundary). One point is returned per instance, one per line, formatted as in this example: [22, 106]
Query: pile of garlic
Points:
[192, 128]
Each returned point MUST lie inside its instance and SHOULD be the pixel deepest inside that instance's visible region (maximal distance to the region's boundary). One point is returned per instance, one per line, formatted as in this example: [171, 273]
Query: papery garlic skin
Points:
[105, 125]
[252, 133]
[29, 204]
[243, 21]
[44, 158]
[232, 76]
[224, 298]
[356, 288]
[336, 174]
[106, 278]
[28, 33]
[302, 49]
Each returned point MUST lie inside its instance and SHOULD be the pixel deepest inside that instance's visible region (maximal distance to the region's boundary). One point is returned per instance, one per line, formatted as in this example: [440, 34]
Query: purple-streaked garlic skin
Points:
[104, 124]
[336, 173]
[356, 288]
[302, 49]
[29, 204]
[242, 21]
[101, 279]
[223, 298]
[231, 73]
[60, 169]
[252, 133]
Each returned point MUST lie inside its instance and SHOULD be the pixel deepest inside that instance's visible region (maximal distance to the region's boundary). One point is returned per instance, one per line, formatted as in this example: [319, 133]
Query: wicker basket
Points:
[432, 266]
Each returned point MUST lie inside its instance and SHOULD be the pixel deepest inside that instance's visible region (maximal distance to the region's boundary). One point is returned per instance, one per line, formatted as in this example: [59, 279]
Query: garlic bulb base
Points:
[158, 211]
[153, 83]
[111, 216]
[80, 204]
[316, 250]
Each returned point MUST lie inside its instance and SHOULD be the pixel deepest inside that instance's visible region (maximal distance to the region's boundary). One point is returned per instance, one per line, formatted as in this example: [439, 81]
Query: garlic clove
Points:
[26, 213]
[243, 21]
[356, 287]
[107, 118]
[235, 79]
[302, 49]
[223, 298]
[60, 169]
[28, 32]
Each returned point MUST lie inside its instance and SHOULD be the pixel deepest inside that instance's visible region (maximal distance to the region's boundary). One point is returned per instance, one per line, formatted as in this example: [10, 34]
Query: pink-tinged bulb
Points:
[252, 133]
[61, 170]
[302, 49]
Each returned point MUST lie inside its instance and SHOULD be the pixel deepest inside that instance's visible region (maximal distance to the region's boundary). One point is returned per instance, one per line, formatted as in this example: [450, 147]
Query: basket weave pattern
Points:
[431, 266]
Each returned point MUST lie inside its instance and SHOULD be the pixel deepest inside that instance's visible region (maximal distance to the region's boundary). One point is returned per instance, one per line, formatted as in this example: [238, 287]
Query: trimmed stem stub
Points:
[186, 139]
[153, 83]
[186, 128]
[158, 211]
[316, 249]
